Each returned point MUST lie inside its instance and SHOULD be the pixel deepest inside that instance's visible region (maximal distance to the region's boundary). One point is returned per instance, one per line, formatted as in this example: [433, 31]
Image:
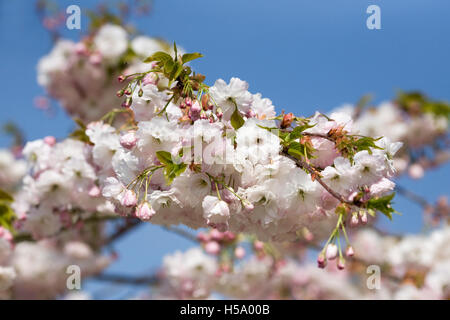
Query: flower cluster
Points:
[60, 192]
[38, 270]
[12, 170]
[220, 157]
[80, 75]
[420, 123]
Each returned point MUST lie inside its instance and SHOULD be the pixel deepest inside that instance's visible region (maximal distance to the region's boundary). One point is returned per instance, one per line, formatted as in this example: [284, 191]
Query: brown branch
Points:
[129, 225]
[181, 233]
[302, 164]
[413, 197]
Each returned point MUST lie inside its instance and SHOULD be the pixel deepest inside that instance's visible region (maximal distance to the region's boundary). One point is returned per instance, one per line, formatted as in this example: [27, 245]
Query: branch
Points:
[302, 164]
[181, 233]
[413, 197]
[129, 225]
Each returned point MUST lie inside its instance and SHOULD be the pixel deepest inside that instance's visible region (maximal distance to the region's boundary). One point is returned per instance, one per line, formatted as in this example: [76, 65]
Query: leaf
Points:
[237, 120]
[5, 196]
[383, 205]
[80, 133]
[171, 171]
[297, 132]
[160, 56]
[190, 56]
[164, 157]
[7, 216]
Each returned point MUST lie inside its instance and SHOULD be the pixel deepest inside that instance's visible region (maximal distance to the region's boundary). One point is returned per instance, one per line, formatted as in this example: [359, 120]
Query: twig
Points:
[413, 197]
[181, 233]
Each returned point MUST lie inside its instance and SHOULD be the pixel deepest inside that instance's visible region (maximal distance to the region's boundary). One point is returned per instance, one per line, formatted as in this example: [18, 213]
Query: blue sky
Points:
[303, 55]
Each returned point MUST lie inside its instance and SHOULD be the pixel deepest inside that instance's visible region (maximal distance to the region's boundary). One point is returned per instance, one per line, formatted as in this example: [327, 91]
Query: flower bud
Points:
[349, 252]
[94, 191]
[121, 78]
[287, 120]
[120, 93]
[212, 247]
[150, 78]
[354, 221]
[332, 251]
[341, 263]
[239, 252]
[95, 58]
[216, 235]
[129, 198]
[127, 103]
[127, 91]
[363, 215]
[50, 140]
[188, 101]
[144, 211]
[128, 140]
[248, 206]
[219, 113]
[140, 92]
[321, 261]
[258, 245]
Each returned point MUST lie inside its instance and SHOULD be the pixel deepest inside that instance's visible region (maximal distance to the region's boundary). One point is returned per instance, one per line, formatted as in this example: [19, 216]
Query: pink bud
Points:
[121, 78]
[216, 234]
[150, 78]
[341, 264]
[219, 113]
[332, 251]
[95, 58]
[202, 237]
[144, 211]
[196, 107]
[212, 247]
[188, 102]
[349, 252]
[94, 191]
[129, 198]
[258, 245]
[50, 140]
[250, 114]
[229, 236]
[354, 221]
[416, 171]
[128, 140]
[248, 207]
[239, 252]
[363, 216]
[80, 48]
[321, 261]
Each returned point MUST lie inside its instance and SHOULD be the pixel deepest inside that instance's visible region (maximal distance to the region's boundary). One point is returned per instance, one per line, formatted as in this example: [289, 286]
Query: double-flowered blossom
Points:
[221, 158]
[81, 76]
[421, 124]
[60, 191]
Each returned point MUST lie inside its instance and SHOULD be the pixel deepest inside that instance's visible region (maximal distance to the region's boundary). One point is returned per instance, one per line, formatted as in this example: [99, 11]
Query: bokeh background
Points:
[303, 55]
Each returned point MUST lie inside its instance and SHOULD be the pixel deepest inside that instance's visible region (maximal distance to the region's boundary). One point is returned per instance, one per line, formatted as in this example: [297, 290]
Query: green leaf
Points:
[7, 216]
[160, 56]
[171, 171]
[383, 205]
[164, 157]
[297, 132]
[190, 56]
[237, 120]
[80, 133]
[5, 196]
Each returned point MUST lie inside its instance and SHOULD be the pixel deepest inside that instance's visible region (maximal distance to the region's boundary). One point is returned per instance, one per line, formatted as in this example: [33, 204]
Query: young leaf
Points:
[5, 196]
[236, 119]
[190, 56]
[383, 205]
[160, 56]
[164, 157]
